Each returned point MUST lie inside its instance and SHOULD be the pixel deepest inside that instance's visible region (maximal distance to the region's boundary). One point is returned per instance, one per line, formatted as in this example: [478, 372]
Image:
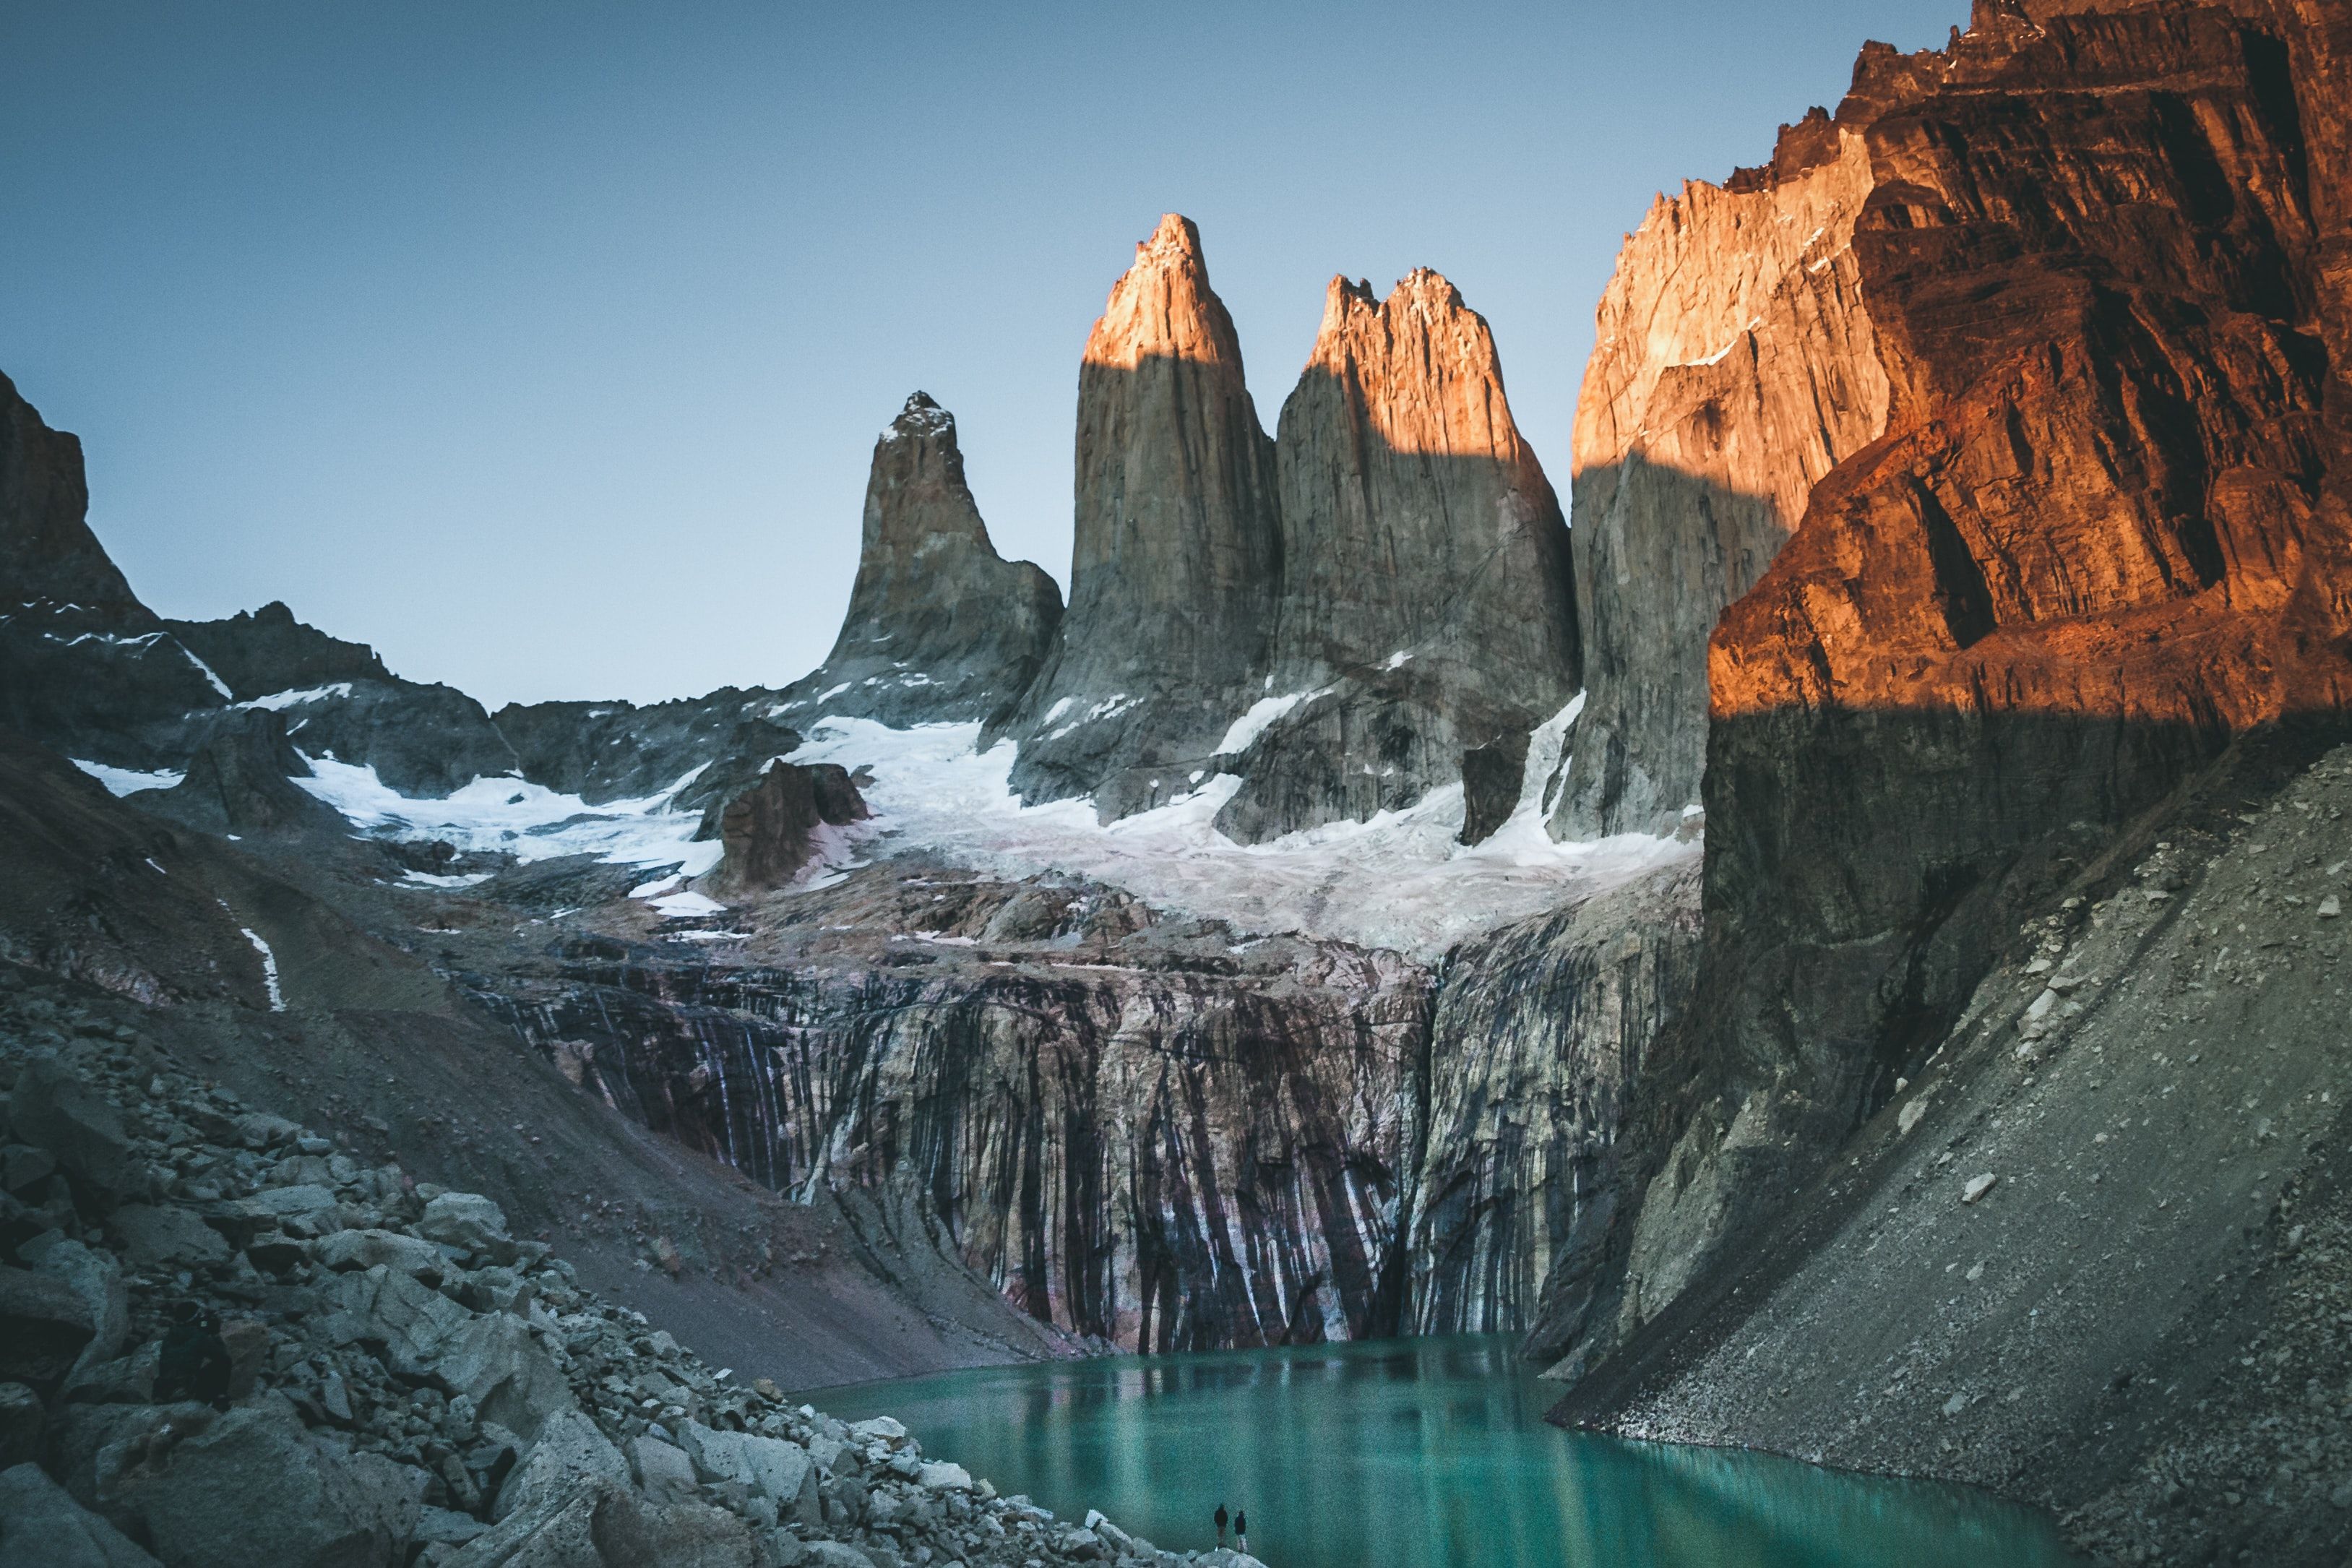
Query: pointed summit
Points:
[1176, 551]
[939, 625]
[1428, 605]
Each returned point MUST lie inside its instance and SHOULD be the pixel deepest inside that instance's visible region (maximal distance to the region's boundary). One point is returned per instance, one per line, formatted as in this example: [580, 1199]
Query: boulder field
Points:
[225, 1340]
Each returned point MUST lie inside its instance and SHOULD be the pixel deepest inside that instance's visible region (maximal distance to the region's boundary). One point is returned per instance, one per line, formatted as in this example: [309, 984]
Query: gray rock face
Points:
[45, 1325]
[1734, 365]
[1427, 598]
[771, 830]
[41, 1526]
[46, 550]
[1537, 1046]
[939, 625]
[241, 781]
[1177, 550]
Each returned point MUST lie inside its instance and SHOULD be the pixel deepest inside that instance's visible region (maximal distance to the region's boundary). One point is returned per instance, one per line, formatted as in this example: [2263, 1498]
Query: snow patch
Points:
[525, 820]
[278, 702]
[268, 960]
[1399, 881]
[1718, 356]
[130, 781]
[682, 904]
[1261, 717]
[204, 670]
[437, 879]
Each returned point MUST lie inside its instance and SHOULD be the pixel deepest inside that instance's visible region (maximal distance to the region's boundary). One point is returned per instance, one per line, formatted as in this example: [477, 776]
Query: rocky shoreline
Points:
[398, 1379]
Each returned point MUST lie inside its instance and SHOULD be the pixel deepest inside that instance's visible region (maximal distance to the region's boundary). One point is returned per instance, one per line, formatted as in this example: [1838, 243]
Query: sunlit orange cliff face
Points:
[2111, 483]
[2019, 388]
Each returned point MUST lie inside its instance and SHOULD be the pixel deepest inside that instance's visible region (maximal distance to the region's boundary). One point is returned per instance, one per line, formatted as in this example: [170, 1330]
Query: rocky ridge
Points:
[399, 1380]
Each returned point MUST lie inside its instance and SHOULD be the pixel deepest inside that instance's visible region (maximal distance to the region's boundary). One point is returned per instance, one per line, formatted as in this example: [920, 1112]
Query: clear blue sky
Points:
[544, 346]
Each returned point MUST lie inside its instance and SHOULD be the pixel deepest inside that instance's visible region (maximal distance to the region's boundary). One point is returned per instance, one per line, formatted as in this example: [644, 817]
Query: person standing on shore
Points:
[1241, 1532]
[1221, 1524]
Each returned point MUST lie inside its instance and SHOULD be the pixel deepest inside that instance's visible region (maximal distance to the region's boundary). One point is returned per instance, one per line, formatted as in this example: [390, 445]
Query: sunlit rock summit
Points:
[1177, 546]
[1427, 609]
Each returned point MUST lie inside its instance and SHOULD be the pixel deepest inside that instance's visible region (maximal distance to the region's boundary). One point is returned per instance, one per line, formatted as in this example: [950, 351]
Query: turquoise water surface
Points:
[1416, 1454]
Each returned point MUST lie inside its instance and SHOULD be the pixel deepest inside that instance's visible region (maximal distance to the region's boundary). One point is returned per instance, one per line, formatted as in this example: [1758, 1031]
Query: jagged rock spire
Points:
[939, 626]
[1427, 601]
[1176, 551]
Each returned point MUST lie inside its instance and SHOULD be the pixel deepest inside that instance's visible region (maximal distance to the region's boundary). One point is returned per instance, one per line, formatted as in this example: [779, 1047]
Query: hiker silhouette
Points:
[193, 1363]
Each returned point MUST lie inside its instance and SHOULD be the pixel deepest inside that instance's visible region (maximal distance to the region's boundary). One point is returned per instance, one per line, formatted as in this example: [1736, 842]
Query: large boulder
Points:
[168, 1234]
[768, 1467]
[571, 1453]
[251, 1487]
[56, 1110]
[491, 1359]
[44, 1326]
[600, 1523]
[470, 1223]
[41, 1526]
[96, 1278]
[772, 829]
[347, 1251]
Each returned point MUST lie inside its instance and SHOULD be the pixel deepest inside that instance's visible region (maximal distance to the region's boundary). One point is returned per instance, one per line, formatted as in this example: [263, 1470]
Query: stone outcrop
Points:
[1177, 550]
[241, 781]
[47, 552]
[1427, 607]
[1734, 365]
[939, 626]
[772, 829]
[83, 664]
[699, 749]
[2107, 532]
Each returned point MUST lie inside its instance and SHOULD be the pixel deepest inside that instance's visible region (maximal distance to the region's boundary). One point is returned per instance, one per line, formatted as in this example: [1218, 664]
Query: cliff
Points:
[83, 664]
[1426, 604]
[2101, 542]
[1536, 1043]
[1132, 1132]
[939, 626]
[1176, 556]
[1734, 365]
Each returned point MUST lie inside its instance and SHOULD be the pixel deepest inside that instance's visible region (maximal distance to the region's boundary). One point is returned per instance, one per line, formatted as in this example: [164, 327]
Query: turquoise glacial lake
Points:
[1417, 1454]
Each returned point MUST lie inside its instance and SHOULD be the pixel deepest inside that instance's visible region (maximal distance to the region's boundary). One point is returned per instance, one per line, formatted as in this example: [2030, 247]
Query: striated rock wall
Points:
[1536, 1041]
[1177, 550]
[1426, 607]
[1734, 365]
[1145, 1139]
[939, 626]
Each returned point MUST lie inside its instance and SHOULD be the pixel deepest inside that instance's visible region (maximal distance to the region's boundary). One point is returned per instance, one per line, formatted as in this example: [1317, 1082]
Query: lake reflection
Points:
[1416, 1454]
